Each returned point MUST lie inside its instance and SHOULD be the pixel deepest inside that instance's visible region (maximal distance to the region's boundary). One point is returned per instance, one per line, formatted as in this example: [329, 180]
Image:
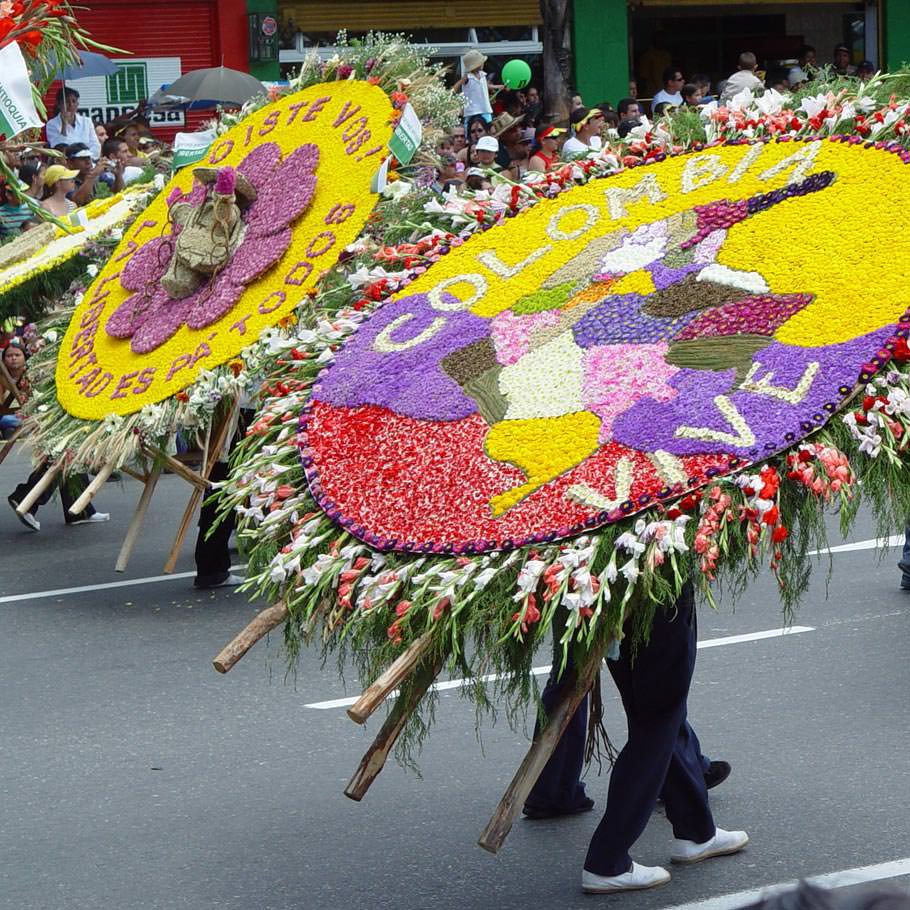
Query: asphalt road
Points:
[134, 776]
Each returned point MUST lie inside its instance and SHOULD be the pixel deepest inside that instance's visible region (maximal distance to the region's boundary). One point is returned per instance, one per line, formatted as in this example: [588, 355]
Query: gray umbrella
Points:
[216, 85]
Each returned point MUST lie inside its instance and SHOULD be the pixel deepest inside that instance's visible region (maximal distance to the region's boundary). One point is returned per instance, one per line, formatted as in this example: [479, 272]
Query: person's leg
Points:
[691, 735]
[71, 488]
[559, 789]
[213, 558]
[654, 684]
[22, 490]
[904, 564]
[685, 793]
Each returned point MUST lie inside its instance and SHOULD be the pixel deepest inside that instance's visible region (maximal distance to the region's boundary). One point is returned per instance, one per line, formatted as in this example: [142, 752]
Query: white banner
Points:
[17, 110]
[190, 148]
[106, 97]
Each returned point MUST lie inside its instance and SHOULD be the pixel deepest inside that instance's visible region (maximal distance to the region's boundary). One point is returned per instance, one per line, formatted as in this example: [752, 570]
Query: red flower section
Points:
[363, 458]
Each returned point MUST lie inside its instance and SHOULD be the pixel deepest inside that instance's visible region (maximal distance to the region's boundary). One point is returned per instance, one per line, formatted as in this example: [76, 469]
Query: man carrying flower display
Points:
[659, 758]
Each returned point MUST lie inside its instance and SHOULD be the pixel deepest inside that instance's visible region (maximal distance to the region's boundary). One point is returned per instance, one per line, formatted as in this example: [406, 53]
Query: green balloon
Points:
[516, 74]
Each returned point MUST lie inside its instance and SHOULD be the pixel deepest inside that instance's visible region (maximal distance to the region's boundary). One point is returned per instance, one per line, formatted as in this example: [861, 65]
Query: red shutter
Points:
[178, 28]
[172, 28]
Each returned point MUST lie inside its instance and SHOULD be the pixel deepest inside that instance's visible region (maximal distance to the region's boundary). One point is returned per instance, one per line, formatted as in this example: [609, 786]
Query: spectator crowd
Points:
[80, 162]
[504, 132]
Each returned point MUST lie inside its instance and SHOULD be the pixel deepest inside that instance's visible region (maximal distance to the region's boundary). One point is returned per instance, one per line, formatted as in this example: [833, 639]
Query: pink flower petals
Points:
[284, 191]
[260, 164]
[159, 323]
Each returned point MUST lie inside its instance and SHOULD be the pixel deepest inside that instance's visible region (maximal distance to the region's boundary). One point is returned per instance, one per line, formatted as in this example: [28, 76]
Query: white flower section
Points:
[734, 278]
[546, 382]
[814, 106]
[741, 100]
[631, 256]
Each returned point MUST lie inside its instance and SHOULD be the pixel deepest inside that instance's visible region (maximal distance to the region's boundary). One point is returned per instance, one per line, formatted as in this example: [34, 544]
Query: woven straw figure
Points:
[210, 233]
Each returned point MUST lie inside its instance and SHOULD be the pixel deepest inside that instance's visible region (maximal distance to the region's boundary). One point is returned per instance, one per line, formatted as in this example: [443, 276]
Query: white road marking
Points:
[543, 671]
[842, 879]
[107, 585]
[753, 636]
[875, 543]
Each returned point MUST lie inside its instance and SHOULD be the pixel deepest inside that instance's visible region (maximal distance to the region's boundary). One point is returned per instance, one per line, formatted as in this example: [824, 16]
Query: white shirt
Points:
[476, 95]
[740, 80]
[573, 146]
[664, 97]
[83, 131]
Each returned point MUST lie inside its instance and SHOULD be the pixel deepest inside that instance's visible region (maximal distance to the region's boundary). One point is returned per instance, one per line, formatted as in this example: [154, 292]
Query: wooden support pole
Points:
[375, 758]
[88, 494]
[179, 468]
[188, 512]
[542, 748]
[261, 625]
[374, 695]
[6, 445]
[132, 532]
[34, 494]
[214, 448]
[142, 478]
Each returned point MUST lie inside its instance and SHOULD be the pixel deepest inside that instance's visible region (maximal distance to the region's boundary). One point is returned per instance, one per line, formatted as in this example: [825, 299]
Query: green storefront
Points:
[614, 38]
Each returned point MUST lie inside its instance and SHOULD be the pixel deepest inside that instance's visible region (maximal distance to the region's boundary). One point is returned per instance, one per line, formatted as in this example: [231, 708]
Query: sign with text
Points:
[108, 97]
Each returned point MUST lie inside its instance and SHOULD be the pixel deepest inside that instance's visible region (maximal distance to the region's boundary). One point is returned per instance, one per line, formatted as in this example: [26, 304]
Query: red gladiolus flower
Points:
[901, 350]
[779, 534]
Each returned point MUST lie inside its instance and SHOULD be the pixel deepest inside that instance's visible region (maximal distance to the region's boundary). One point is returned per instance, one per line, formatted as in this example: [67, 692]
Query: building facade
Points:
[610, 39]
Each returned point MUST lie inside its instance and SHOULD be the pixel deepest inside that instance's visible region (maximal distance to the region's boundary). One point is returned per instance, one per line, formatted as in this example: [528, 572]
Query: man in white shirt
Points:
[743, 78]
[68, 126]
[588, 125]
[671, 93]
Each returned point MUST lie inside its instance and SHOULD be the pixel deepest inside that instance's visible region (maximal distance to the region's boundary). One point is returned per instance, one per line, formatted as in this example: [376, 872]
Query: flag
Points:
[17, 110]
[190, 148]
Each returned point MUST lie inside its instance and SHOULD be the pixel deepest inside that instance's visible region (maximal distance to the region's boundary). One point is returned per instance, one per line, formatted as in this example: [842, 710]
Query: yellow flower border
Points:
[351, 123]
[860, 217]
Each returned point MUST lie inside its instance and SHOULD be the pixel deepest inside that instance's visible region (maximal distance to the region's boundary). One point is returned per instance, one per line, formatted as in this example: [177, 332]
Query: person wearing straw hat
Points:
[475, 87]
[59, 182]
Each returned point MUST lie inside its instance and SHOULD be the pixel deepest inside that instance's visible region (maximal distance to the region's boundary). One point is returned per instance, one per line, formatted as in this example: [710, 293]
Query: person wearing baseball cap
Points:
[486, 150]
[59, 182]
[79, 159]
[842, 64]
[546, 158]
[588, 124]
[475, 88]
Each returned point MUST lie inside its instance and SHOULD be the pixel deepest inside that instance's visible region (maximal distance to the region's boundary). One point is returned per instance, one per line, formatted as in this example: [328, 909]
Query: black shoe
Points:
[717, 773]
[536, 812]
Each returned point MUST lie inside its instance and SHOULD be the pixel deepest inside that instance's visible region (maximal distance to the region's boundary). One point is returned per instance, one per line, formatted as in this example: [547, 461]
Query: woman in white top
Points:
[68, 125]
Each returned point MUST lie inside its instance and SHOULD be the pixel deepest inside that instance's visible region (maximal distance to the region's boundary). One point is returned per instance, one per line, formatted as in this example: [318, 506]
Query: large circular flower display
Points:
[226, 249]
[614, 347]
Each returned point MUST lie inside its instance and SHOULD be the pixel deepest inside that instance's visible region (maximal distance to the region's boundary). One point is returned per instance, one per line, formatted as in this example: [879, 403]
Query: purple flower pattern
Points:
[149, 316]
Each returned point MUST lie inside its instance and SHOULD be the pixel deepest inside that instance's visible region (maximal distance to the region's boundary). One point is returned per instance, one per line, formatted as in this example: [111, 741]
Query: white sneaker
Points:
[29, 521]
[638, 878]
[722, 844]
[94, 518]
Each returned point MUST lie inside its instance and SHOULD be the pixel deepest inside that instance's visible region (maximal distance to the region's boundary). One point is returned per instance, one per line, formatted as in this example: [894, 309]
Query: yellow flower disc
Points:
[618, 345]
[349, 122]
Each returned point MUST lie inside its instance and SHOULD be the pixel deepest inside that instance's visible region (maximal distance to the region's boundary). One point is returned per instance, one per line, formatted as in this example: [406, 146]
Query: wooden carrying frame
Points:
[156, 460]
